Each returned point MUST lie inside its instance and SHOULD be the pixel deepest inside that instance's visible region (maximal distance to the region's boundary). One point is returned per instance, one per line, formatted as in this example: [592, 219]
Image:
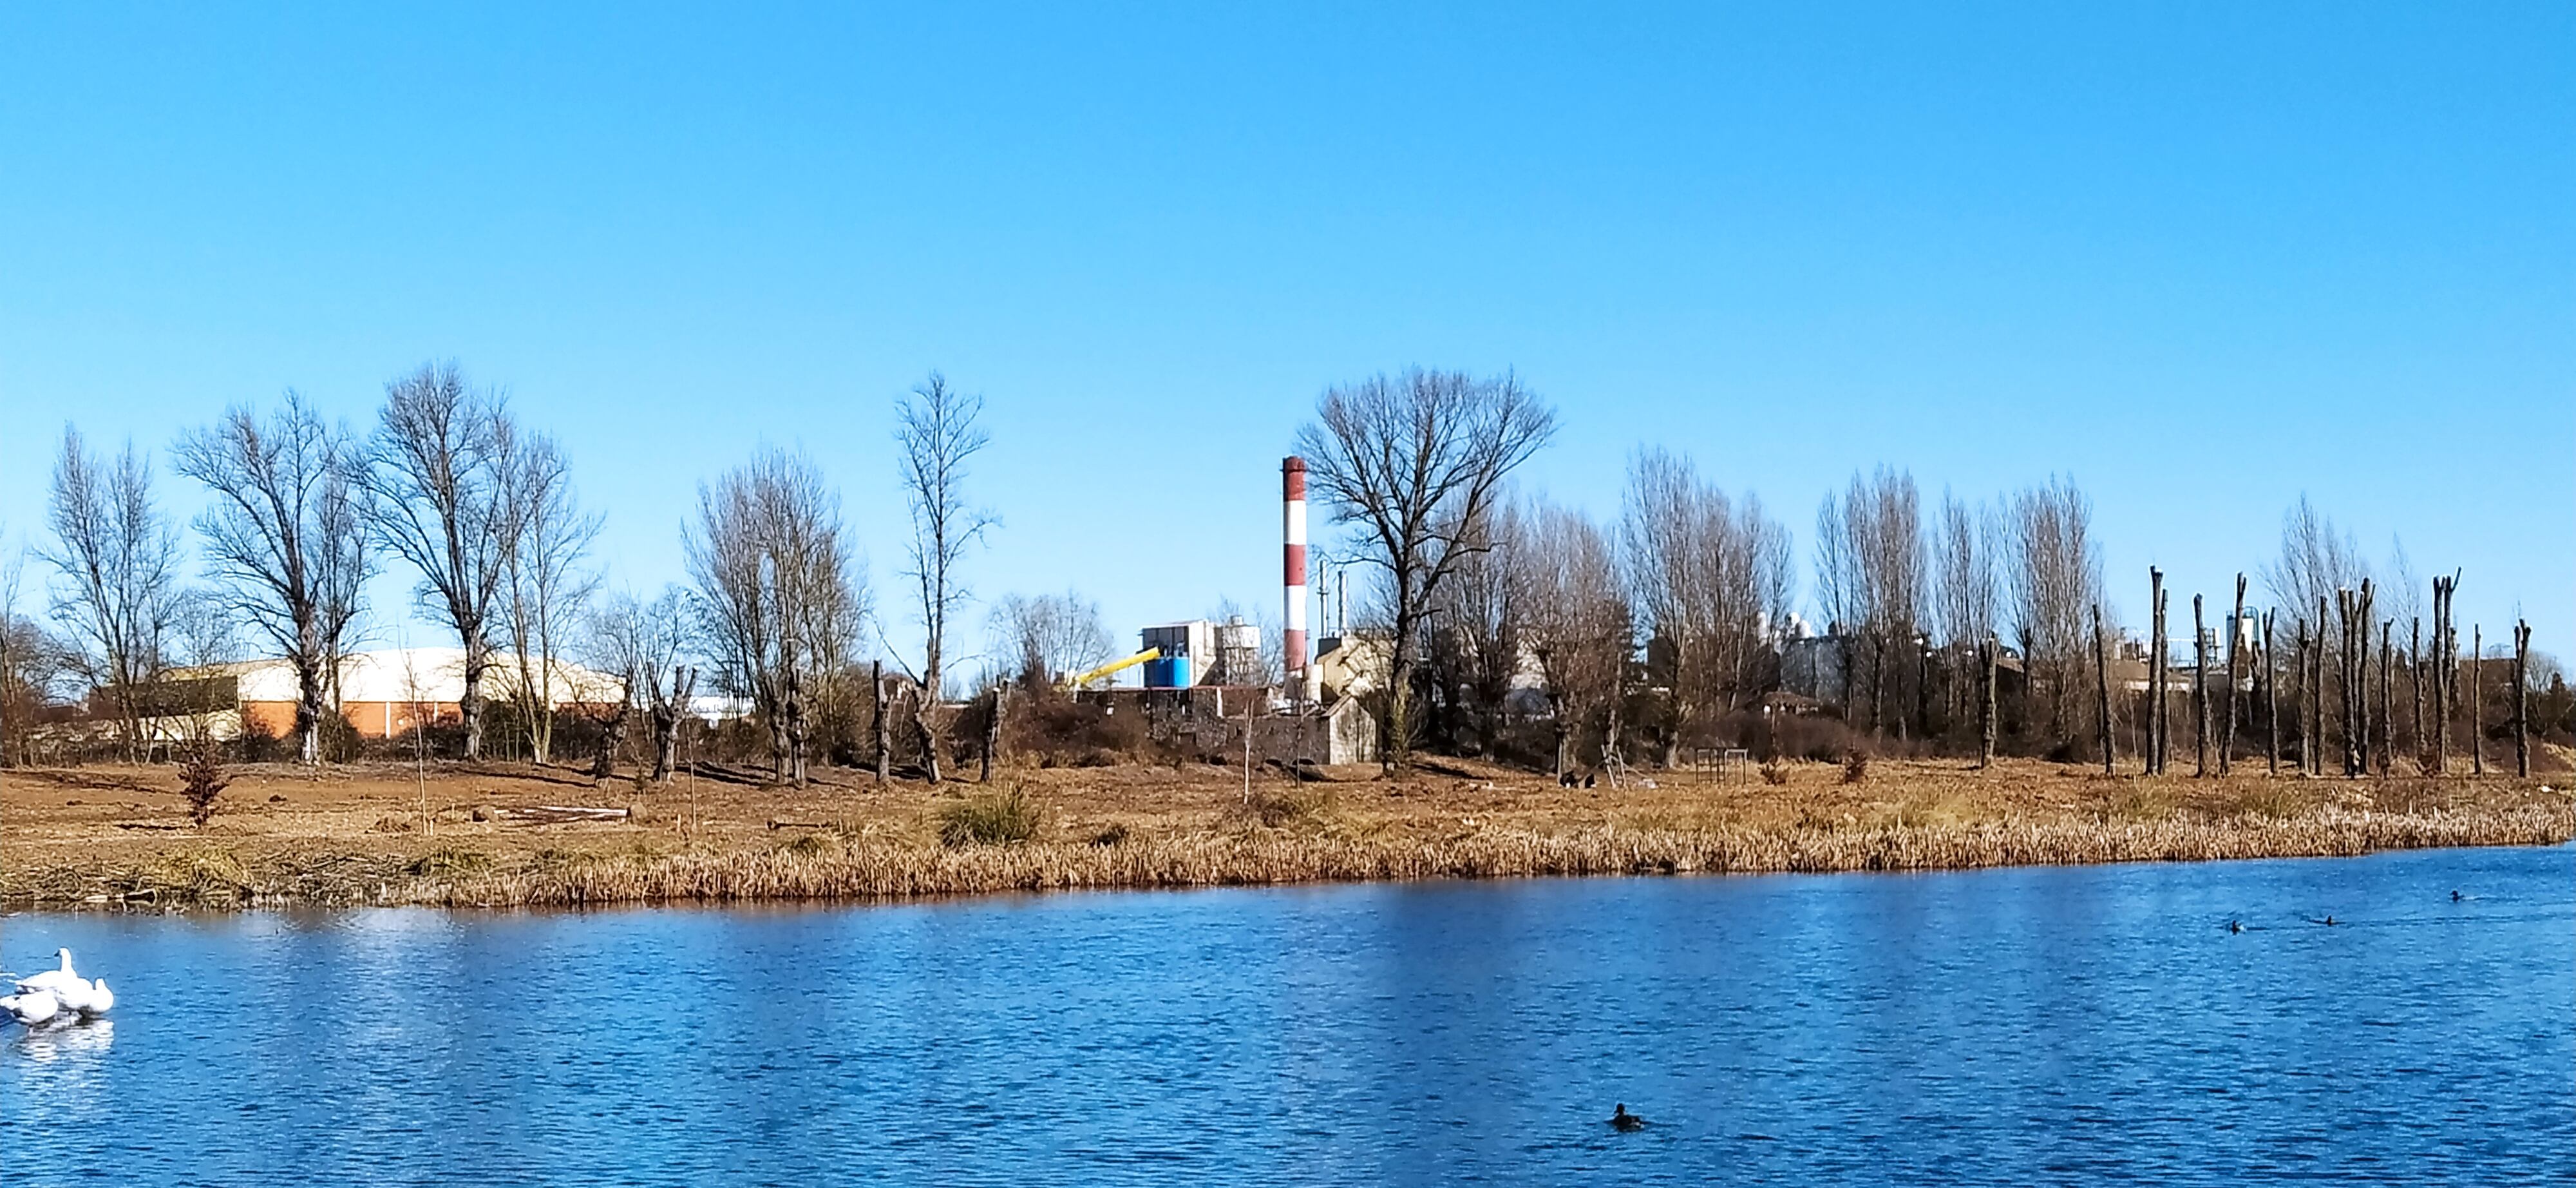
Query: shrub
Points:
[1855, 765]
[1775, 772]
[201, 778]
[1113, 834]
[1281, 809]
[988, 818]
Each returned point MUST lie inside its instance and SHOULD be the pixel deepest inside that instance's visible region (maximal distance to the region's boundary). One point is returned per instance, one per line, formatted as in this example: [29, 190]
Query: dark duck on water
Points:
[1622, 1120]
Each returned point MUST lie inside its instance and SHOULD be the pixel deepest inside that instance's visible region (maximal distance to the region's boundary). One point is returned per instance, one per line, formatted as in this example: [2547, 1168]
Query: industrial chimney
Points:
[1292, 650]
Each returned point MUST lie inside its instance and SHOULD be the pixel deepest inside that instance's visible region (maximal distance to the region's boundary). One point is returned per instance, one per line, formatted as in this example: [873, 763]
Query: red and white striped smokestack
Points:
[1292, 475]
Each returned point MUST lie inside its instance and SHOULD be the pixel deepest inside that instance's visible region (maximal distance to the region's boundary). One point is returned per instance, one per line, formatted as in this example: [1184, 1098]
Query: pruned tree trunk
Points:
[2443, 665]
[2271, 702]
[2156, 720]
[993, 734]
[2307, 702]
[2235, 632]
[2415, 693]
[2199, 691]
[612, 735]
[2522, 699]
[1993, 665]
[877, 723]
[2102, 694]
[2387, 699]
[2477, 693]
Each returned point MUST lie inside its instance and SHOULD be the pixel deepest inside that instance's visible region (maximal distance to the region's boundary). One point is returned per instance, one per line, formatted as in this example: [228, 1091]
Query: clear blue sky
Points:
[2203, 257]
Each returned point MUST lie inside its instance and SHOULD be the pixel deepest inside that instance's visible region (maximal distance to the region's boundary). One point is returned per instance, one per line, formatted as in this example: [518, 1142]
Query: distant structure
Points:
[1292, 651]
[381, 693]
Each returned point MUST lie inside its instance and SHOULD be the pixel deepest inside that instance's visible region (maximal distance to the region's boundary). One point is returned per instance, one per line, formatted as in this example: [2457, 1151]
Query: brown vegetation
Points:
[358, 835]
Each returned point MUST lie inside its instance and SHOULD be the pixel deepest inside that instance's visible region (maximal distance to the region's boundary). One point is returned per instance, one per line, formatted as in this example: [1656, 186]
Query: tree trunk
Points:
[877, 724]
[2102, 694]
[469, 708]
[2442, 668]
[2271, 702]
[922, 713]
[2307, 706]
[2387, 699]
[992, 735]
[612, 734]
[2477, 692]
[2235, 632]
[666, 743]
[2522, 699]
[2199, 691]
[2415, 694]
[2156, 721]
[1993, 664]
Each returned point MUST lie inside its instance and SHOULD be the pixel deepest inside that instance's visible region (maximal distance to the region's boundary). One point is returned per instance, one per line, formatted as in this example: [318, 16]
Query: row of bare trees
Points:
[1685, 601]
[484, 514]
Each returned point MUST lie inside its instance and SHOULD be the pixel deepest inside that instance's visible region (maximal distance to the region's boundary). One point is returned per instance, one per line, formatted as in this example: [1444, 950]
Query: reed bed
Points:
[1314, 847]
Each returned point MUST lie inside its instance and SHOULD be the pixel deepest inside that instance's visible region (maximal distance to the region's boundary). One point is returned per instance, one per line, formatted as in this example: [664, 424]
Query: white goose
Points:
[28, 1008]
[58, 991]
[55, 980]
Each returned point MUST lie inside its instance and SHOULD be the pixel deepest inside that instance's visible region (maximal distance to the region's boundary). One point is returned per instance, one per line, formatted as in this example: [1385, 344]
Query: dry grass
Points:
[99, 835]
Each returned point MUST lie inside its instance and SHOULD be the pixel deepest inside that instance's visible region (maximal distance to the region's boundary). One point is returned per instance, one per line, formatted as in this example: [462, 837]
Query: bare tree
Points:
[642, 643]
[1415, 461]
[1477, 632]
[2055, 576]
[2316, 558]
[1709, 580]
[32, 665]
[115, 558]
[544, 587]
[1050, 635]
[1577, 624]
[1965, 569]
[439, 498]
[286, 540]
[936, 435]
[1870, 567]
[778, 600]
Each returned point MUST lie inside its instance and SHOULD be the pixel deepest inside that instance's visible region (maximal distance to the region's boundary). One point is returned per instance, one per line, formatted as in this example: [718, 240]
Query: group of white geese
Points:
[57, 996]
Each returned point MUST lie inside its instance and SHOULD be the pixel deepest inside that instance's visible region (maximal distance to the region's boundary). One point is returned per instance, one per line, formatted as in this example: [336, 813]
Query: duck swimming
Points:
[1622, 1120]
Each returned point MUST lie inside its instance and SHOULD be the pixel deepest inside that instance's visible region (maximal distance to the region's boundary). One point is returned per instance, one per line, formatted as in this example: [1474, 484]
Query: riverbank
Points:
[478, 835]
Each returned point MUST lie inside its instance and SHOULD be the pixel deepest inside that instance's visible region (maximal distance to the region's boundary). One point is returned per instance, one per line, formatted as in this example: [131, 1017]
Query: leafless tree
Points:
[642, 643]
[32, 665]
[439, 498]
[115, 559]
[1870, 568]
[936, 435]
[2055, 576]
[1965, 572]
[779, 601]
[1576, 624]
[2316, 558]
[1050, 635]
[1708, 580]
[544, 587]
[1415, 461]
[285, 539]
[1477, 631]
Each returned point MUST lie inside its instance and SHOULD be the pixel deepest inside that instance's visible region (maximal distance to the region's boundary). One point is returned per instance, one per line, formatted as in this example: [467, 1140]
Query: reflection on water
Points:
[76, 1039]
[2047, 1025]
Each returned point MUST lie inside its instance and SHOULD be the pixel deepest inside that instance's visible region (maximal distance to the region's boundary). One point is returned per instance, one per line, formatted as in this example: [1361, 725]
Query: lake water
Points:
[2012, 1026]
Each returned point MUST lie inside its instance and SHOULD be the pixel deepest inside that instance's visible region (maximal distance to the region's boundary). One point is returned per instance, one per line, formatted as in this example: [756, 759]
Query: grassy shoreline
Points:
[351, 843]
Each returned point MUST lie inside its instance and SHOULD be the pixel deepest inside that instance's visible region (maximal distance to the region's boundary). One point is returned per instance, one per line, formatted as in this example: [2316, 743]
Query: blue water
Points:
[2015, 1026]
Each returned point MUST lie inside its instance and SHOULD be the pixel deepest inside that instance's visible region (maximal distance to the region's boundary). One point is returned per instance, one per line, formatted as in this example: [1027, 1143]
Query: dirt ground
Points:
[109, 816]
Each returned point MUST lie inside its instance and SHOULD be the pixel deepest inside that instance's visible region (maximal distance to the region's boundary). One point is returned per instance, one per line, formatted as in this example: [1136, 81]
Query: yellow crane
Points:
[1110, 669]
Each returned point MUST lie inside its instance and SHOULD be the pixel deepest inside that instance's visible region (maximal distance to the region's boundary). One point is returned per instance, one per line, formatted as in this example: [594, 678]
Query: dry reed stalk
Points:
[842, 867]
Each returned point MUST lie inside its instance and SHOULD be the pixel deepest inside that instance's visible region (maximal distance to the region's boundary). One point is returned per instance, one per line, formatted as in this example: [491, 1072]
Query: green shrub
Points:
[989, 819]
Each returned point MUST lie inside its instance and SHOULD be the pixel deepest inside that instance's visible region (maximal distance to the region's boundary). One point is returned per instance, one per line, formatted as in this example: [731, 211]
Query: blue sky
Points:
[2202, 257]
